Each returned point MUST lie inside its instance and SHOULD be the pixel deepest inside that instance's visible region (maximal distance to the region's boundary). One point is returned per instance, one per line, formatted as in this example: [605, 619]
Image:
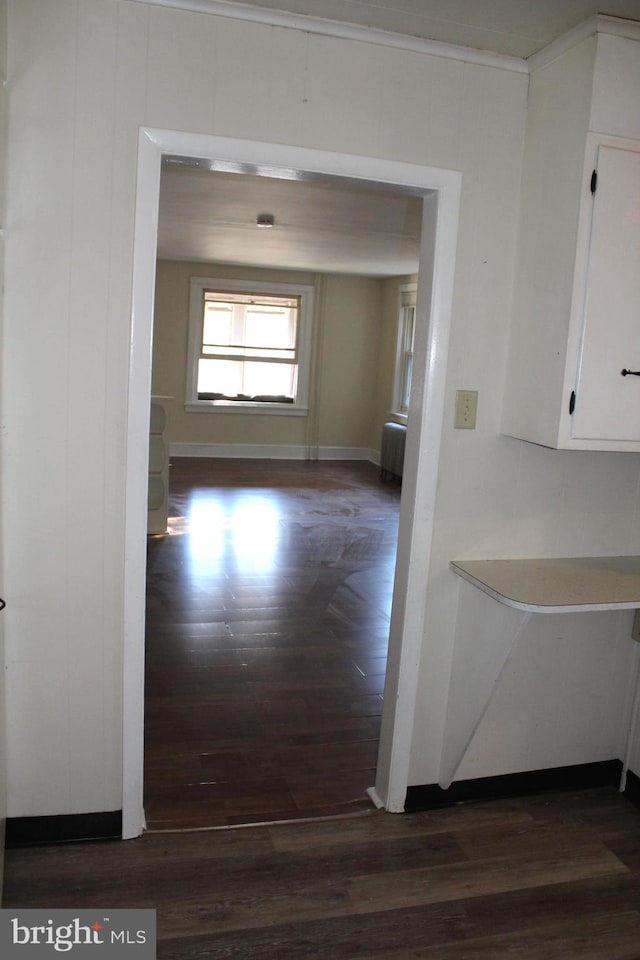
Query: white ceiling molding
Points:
[345, 31]
[613, 26]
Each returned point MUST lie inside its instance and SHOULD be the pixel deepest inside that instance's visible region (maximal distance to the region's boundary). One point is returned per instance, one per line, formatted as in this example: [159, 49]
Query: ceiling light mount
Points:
[265, 220]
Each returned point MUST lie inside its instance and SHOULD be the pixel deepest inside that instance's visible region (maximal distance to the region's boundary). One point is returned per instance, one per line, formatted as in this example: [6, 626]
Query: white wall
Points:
[84, 75]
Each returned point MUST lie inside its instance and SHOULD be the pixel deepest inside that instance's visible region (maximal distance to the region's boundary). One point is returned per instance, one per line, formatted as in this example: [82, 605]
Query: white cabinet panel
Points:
[607, 403]
[617, 70]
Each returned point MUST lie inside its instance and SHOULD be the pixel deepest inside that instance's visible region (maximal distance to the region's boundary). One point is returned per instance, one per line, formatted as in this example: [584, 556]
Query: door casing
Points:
[441, 192]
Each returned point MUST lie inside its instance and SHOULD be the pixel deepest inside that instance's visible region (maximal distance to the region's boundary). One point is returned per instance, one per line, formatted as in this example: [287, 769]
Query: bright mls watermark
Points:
[78, 934]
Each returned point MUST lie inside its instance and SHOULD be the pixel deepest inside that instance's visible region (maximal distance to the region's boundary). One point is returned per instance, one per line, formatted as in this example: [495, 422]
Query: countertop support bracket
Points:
[482, 658]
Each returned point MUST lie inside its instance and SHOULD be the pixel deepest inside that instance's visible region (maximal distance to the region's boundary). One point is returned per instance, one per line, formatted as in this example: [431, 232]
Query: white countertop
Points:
[557, 586]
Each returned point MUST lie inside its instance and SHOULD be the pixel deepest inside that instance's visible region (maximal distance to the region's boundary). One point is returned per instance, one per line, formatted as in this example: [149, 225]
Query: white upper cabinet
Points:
[607, 393]
[576, 318]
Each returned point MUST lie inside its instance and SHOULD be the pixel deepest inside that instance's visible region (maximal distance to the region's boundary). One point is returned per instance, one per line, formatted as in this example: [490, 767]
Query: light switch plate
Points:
[466, 410]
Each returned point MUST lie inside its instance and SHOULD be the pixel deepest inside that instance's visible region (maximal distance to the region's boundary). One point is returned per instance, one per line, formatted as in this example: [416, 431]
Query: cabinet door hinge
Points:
[572, 402]
[594, 181]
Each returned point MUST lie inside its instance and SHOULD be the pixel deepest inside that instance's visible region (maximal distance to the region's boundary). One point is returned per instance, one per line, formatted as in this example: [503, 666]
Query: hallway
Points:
[267, 627]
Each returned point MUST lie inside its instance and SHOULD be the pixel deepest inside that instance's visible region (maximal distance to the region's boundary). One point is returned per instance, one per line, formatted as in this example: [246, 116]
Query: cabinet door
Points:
[607, 404]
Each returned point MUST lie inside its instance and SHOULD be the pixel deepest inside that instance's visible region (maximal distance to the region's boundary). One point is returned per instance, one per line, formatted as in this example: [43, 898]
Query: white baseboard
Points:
[348, 453]
[257, 451]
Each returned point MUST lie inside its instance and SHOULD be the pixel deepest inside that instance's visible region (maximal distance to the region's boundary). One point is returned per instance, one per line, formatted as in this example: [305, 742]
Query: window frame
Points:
[406, 292]
[197, 288]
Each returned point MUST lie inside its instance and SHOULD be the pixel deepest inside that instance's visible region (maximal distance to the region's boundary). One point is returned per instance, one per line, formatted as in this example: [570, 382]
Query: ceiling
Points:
[331, 225]
[518, 28]
[327, 224]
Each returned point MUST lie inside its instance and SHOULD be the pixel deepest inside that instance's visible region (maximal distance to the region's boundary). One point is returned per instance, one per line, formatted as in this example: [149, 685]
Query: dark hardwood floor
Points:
[552, 877]
[267, 626]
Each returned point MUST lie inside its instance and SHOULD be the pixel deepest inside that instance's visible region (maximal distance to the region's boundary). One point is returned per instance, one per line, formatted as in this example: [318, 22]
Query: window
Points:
[404, 353]
[249, 346]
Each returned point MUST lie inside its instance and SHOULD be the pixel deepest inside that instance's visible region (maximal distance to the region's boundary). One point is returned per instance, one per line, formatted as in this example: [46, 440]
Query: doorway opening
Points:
[440, 191]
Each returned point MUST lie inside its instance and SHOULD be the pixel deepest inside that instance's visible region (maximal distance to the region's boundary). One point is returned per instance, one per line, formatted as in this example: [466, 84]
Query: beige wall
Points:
[347, 323]
[351, 318]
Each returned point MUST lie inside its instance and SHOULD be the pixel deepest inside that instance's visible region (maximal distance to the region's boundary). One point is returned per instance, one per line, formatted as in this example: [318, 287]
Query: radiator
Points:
[392, 450]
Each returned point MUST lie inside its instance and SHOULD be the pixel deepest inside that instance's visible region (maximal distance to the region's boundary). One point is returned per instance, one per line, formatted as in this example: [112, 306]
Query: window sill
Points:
[246, 407]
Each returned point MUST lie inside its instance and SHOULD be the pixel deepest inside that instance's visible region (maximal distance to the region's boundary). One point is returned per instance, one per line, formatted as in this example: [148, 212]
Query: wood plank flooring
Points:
[267, 627]
[548, 877]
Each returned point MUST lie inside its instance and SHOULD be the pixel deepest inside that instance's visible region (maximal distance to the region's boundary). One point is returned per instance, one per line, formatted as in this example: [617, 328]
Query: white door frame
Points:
[441, 189]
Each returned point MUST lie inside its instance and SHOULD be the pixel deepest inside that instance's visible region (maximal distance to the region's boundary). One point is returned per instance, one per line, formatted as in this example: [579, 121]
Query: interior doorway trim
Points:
[441, 190]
